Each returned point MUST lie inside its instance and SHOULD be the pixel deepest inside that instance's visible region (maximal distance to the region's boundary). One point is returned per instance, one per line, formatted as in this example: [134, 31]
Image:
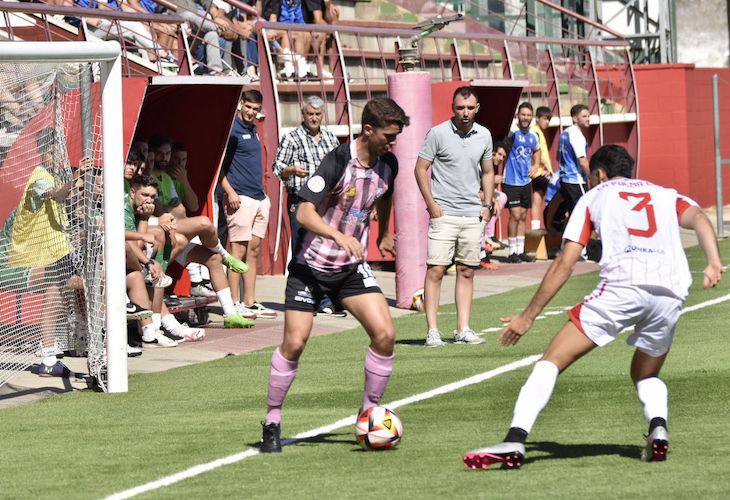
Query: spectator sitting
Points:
[166, 32]
[499, 200]
[202, 24]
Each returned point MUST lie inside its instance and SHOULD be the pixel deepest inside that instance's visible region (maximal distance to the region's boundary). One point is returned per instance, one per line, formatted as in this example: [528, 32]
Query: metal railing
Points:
[719, 160]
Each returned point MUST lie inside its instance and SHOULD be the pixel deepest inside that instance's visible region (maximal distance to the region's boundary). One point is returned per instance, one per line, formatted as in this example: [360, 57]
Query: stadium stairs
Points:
[360, 52]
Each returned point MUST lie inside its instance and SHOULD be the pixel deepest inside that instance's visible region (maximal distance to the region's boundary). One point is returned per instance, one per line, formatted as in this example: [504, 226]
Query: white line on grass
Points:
[237, 457]
[344, 422]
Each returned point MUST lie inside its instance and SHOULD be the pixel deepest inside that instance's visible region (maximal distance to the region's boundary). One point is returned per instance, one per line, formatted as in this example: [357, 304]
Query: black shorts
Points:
[571, 194]
[540, 183]
[518, 196]
[58, 273]
[305, 287]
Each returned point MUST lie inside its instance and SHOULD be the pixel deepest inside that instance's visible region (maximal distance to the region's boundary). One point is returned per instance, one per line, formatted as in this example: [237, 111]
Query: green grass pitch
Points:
[586, 443]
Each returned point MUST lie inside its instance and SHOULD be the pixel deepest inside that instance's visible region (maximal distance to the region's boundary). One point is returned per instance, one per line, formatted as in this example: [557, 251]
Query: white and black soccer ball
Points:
[378, 428]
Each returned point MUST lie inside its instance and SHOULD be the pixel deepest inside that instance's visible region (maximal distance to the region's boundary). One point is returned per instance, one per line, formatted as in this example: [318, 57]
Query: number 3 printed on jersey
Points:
[644, 205]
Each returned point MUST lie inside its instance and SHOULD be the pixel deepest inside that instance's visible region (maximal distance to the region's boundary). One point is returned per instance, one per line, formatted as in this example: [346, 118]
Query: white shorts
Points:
[652, 311]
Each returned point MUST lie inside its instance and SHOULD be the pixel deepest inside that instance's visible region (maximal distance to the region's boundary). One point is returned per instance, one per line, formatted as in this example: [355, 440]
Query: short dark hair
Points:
[524, 104]
[464, 91]
[501, 144]
[380, 112]
[614, 160]
[543, 111]
[45, 138]
[143, 180]
[252, 95]
[575, 110]
[135, 156]
[179, 146]
[158, 140]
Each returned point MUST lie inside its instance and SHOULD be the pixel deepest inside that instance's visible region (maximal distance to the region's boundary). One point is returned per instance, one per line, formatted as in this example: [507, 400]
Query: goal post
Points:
[102, 271]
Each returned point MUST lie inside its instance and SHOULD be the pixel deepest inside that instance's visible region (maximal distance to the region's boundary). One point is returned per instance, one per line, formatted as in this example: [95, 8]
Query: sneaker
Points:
[526, 258]
[235, 265]
[244, 311]
[133, 352]
[258, 311]
[467, 336]
[202, 289]
[270, 438]
[136, 312]
[510, 454]
[433, 338]
[159, 339]
[172, 300]
[657, 445]
[163, 282]
[237, 321]
[185, 332]
[57, 370]
[330, 311]
[513, 259]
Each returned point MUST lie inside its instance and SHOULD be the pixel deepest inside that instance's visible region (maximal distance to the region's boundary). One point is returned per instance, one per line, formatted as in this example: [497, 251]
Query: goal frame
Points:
[108, 55]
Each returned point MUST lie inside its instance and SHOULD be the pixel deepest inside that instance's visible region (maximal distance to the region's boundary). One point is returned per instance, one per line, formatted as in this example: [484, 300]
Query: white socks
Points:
[535, 224]
[219, 249]
[195, 272]
[226, 301]
[157, 320]
[534, 395]
[520, 245]
[653, 395]
[148, 331]
[512, 245]
[170, 322]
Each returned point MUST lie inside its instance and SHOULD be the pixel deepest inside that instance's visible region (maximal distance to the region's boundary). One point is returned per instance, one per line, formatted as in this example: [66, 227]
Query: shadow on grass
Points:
[329, 438]
[562, 451]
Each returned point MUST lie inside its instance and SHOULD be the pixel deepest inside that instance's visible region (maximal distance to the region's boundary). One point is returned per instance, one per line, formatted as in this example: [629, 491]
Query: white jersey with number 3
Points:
[638, 223]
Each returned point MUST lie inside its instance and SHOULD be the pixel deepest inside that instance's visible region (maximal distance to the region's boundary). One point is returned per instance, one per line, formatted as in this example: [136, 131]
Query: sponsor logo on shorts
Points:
[304, 296]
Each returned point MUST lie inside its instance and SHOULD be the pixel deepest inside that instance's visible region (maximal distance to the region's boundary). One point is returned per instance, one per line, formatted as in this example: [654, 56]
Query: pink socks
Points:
[377, 373]
[281, 377]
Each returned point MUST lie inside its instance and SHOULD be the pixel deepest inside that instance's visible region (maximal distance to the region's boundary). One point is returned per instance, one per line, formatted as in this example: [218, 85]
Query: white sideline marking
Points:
[444, 389]
[237, 457]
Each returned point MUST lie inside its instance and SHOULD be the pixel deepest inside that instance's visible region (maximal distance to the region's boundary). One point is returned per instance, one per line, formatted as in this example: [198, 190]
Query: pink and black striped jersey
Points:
[344, 191]
[638, 223]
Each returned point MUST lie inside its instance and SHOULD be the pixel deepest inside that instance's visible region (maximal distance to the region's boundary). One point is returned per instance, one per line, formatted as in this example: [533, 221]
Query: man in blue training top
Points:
[521, 165]
[573, 155]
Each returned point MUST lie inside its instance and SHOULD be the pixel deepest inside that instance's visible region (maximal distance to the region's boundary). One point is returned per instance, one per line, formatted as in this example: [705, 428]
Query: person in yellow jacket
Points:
[544, 172]
[40, 241]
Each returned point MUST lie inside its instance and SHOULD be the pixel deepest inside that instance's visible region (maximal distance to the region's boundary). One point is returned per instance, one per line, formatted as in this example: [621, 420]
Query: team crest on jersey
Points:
[316, 184]
[352, 192]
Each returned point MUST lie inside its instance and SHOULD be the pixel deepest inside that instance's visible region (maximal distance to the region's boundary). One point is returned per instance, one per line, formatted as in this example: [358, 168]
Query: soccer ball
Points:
[378, 428]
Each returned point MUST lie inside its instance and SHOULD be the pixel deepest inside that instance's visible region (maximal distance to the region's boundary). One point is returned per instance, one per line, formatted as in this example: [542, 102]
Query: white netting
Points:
[51, 242]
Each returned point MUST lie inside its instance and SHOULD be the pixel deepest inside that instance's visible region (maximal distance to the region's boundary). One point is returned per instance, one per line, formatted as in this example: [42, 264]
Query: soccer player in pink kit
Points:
[330, 257]
[644, 280]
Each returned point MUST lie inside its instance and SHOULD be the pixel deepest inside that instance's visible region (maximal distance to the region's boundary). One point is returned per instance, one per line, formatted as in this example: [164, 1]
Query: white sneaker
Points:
[133, 352]
[433, 338]
[163, 282]
[202, 289]
[657, 445]
[327, 75]
[188, 333]
[158, 339]
[244, 311]
[467, 336]
[258, 310]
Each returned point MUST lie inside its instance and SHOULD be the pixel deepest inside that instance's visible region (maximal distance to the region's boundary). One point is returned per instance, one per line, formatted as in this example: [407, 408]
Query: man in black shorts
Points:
[519, 168]
[330, 258]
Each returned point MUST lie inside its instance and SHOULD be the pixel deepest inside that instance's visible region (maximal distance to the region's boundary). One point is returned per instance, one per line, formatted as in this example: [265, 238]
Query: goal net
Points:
[53, 267]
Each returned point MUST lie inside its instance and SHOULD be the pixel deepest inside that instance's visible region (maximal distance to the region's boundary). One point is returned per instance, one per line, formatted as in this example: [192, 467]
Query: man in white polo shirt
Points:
[459, 153]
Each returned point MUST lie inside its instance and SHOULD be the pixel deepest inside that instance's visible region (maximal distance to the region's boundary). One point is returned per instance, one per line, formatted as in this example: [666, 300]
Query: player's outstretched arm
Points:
[554, 279]
[308, 217]
[694, 218]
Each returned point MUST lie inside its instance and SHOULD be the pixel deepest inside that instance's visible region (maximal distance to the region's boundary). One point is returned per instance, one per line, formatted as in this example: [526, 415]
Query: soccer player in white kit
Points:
[644, 280]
